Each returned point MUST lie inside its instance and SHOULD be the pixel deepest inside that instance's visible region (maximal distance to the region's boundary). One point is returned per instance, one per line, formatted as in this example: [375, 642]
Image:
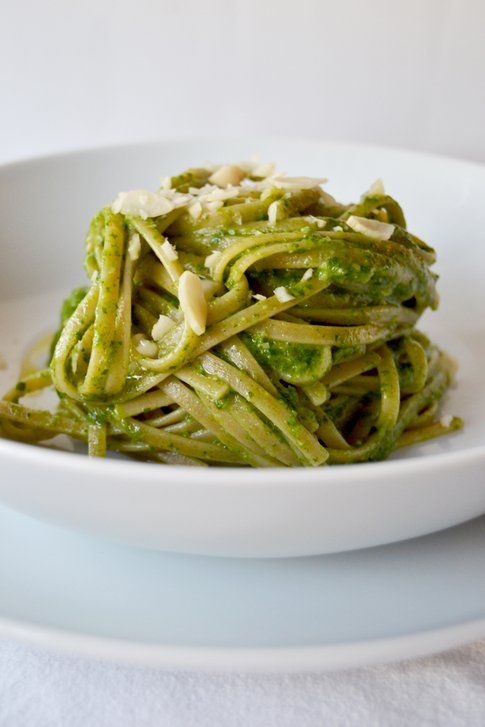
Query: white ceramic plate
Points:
[85, 596]
[45, 206]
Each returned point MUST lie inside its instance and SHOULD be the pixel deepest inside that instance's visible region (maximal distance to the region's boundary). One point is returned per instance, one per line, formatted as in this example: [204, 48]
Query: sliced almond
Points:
[267, 192]
[211, 260]
[276, 211]
[227, 175]
[134, 246]
[263, 170]
[142, 203]
[216, 194]
[282, 294]
[169, 251]
[376, 189]
[195, 210]
[192, 301]
[372, 228]
[215, 205]
[161, 327]
[144, 346]
[283, 182]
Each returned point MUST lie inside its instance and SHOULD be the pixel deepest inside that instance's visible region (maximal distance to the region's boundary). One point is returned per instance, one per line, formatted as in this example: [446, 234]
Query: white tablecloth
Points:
[40, 689]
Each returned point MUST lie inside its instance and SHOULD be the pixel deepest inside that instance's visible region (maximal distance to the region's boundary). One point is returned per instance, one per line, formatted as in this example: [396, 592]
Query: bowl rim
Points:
[341, 474]
[404, 151]
[346, 474]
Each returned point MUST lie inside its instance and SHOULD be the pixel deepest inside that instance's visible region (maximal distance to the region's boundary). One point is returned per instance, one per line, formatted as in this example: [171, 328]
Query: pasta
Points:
[237, 317]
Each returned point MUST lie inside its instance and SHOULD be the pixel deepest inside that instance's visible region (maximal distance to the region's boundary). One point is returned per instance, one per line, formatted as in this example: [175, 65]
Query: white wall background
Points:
[409, 72]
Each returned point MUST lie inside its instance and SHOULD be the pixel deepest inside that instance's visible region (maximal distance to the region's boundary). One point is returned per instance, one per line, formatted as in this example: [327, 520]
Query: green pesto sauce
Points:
[358, 270]
[71, 303]
[97, 415]
[293, 359]
[308, 418]
[406, 375]
[271, 279]
[345, 353]
[67, 309]
[290, 395]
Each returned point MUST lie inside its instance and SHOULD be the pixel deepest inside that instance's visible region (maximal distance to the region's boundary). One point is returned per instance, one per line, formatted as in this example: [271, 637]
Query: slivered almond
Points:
[192, 301]
[195, 210]
[212, 259]
[283, 182]
[142, 203]
[263, 170]
[375, 189]
[372, 228]
[215, 205]
[144, 346]
[134, 246]
[227, 175]
[170, 251]
[145, 204]
[282, 294]
[161, 327]
[276, 211]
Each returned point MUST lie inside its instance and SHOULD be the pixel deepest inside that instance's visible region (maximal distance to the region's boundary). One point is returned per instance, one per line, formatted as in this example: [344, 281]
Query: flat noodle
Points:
[305, 353]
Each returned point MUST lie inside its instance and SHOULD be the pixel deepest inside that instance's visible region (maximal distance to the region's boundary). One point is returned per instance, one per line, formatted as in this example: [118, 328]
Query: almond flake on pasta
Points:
[376, 189]
[275, 211]
[146, 347]
[192, 301]
[372, 228]
[307, 275]
[161, 327]
[134, 247]
[145, 204]
[169, 250]
[211, 260]
[283, 295]
[195, 210]
[227, 175]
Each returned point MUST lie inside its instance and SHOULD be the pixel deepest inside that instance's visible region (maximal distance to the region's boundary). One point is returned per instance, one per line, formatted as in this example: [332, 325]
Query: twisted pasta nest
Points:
[236, 317]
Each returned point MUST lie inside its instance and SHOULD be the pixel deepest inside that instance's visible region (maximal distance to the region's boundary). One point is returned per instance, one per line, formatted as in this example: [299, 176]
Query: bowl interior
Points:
[46, 205]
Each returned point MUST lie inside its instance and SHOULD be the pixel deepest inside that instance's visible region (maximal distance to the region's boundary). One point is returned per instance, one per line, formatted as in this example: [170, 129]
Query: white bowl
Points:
[45, 206]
